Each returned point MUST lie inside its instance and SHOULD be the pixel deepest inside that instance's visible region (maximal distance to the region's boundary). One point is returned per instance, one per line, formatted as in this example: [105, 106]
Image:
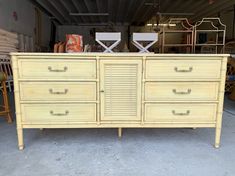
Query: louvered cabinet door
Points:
[120, 90]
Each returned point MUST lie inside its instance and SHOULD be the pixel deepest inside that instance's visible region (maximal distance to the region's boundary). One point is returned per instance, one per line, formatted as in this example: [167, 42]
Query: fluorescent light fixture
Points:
[89, 14]
[162, 24]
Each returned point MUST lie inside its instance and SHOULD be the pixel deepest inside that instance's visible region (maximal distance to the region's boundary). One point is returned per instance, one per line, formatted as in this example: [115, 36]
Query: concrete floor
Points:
[98, 152]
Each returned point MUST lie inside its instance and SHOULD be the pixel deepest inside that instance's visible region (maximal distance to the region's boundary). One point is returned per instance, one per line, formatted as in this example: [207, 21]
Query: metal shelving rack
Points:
[216, 27]
[182, 26]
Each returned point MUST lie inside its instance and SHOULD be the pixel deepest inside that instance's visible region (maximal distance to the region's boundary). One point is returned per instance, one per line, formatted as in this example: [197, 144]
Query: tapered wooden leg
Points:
[217, 137]
[41, 129]
[20, 138]
[218, 130]
[194, 128]
[119, 132]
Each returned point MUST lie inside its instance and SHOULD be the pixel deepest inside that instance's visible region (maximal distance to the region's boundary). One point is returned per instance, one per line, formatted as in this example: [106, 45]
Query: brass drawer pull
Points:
[182, 93]
[184, 71]
[181, 114]
[58, 93]
[59, 114]
[57, 70]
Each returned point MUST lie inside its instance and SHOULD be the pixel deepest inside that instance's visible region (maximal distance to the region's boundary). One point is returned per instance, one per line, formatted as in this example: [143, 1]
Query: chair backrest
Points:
[5, 66]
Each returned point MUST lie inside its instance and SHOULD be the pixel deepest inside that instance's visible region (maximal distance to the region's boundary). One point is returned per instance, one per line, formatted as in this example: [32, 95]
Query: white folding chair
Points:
[144, 37]
[108, 36]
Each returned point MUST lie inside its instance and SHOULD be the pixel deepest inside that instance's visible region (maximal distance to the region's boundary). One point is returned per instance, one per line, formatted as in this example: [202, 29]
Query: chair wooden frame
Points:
[5, 106]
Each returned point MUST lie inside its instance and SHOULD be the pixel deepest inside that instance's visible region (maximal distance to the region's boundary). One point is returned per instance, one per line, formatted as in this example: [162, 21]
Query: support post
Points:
[20, 138]
[119, 132]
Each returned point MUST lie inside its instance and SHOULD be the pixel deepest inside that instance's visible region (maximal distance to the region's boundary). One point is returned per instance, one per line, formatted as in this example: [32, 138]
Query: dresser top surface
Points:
[130, 54]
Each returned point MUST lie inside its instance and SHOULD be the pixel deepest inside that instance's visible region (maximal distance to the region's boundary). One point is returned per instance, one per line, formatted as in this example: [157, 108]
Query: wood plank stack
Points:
[8, 42]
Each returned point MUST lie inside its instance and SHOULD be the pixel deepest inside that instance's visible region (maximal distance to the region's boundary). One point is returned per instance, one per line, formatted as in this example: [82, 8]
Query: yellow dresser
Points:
[118, 90]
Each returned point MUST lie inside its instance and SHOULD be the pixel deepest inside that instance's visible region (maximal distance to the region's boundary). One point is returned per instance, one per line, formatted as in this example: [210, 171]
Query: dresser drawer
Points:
[57, 69]
[183, 69]
[185, 91]
[37, 91]
[47, 113]
[180, 112]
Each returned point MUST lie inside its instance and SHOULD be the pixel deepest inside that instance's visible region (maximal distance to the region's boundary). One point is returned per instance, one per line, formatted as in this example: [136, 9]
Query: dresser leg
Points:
[41, 129]
[217, 137]
[119, 132]
[20, 139]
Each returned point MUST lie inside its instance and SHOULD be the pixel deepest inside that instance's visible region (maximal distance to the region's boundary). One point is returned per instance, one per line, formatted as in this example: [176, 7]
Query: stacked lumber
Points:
[8, 42]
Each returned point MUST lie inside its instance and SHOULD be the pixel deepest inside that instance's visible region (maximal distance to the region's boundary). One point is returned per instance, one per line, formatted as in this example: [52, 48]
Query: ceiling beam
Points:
[133, 10]
[110, 11]
[52, 10]
[78, 9]
[60, 9]
[167, 9]
[214, 8]
[89, 14]
[185, 6]
[182, 7]
[129, 10]
[92, 24]
[149, 14]
[118, 11]
[173, 7]
[164, 5]
[138, 10]
[68, 8]
[103, 8]
[121, 7]
[195, 7]
[99, 9]
[40, 7]
[89, 9]
[114, 12]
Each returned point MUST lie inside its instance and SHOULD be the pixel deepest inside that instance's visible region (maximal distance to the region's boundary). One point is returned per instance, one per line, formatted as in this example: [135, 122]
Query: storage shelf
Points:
[167, 45]
[182, 28]
[200, 30]
[209, 44]
[179, 31]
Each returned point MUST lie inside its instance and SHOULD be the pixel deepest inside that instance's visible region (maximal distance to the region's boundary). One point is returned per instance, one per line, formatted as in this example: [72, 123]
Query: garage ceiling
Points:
[102, 12]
